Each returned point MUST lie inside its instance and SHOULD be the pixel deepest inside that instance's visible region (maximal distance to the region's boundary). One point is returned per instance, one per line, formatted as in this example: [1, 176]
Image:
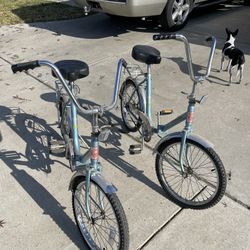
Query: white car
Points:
[173, 14]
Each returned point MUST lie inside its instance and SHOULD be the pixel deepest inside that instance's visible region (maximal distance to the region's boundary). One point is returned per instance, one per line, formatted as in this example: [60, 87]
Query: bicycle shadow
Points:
[198, 70]
[41, 196]
[217, 80]
[32, 130]
[35, 132]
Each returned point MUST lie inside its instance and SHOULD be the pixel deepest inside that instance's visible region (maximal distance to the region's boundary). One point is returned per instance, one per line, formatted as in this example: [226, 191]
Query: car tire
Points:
[247, 2]
[175, 14]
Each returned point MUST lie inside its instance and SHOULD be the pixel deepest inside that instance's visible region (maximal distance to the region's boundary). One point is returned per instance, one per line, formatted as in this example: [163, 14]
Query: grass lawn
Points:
[28, 11]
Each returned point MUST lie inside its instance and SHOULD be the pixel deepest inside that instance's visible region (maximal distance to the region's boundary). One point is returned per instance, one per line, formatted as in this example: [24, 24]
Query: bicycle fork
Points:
[185, 133]
[92, 169]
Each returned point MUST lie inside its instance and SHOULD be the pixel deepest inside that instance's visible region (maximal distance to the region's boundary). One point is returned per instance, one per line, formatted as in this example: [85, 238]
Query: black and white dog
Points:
[234, 55]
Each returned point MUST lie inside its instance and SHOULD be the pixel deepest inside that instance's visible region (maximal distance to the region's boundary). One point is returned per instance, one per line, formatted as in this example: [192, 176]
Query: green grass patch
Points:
[28, 11]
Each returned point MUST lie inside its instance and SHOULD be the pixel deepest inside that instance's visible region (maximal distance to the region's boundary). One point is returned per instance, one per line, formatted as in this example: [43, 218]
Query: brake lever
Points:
[202, 100]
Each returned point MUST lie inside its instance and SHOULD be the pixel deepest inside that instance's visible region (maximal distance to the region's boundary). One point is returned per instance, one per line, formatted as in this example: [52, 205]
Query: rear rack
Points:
[135, 71]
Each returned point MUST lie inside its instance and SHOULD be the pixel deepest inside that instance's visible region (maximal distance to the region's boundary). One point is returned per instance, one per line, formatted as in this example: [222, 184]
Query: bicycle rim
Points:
[102, 230]
[130, 100]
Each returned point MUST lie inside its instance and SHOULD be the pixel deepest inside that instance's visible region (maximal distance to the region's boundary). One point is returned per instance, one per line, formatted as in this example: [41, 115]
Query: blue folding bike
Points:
[98, 212]
[187, 167]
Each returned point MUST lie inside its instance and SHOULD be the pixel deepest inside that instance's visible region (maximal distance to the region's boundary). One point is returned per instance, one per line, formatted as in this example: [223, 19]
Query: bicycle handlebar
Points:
[34, 64]
[188, 53]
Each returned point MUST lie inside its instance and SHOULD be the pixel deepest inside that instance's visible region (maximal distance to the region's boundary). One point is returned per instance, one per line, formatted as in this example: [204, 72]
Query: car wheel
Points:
[175, 14]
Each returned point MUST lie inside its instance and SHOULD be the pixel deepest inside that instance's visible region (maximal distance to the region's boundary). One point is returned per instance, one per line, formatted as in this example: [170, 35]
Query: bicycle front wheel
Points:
[203, 184]
[107, 228]
[131, 100]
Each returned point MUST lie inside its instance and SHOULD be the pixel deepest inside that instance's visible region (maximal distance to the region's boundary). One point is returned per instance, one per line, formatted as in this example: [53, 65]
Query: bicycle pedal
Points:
[135, 149]
[166, 111]
[56, 146]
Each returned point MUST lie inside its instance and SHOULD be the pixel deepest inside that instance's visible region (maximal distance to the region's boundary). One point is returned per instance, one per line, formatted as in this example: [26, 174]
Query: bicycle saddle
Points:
[72, 70]
[146, 54]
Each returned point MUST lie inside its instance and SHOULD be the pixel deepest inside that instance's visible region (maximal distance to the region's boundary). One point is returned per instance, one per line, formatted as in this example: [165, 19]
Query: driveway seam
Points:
[172, 217]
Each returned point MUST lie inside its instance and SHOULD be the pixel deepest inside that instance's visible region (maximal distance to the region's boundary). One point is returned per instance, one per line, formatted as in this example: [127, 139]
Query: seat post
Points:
[148, 94]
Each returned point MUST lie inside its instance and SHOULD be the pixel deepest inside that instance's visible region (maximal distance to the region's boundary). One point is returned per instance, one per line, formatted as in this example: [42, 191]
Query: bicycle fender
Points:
[205, 143]
[107, 187]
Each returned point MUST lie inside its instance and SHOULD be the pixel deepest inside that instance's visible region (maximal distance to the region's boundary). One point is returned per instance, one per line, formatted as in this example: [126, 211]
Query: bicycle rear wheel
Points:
[66, 132]
[205, 182]
[131, 100]
[107, 228]
[63, 117]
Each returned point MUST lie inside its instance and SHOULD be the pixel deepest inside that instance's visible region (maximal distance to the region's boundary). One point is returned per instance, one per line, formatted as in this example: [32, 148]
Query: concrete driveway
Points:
[35, 201]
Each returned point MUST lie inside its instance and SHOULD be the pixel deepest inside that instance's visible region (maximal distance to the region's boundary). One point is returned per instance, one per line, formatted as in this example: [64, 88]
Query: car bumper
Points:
[129, 8]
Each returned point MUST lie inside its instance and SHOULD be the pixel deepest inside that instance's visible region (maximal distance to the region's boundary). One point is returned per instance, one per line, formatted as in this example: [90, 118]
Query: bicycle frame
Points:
[87, 165]
[163, 130]
[89, 161]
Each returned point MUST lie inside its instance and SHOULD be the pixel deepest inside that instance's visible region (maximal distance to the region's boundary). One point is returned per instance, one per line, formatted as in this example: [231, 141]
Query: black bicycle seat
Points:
[146, 54]
[72, 70]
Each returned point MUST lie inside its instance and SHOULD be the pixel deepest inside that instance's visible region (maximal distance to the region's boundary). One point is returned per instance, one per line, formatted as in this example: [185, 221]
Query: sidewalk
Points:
[222, 227]
[35, 202]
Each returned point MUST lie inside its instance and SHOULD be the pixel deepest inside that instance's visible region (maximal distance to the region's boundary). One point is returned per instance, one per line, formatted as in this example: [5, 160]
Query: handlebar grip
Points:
[25, 66]
[164, 36]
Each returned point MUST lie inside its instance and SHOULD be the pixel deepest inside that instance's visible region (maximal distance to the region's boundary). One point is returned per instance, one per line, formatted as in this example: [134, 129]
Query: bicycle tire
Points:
[130, 119]
[64, 128]
[120, 234]
[205, 192]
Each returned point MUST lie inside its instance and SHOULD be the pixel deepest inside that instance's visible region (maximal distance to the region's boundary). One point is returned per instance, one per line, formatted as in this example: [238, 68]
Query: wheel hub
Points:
[188, 171]
[181, 10]
[102, 216]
